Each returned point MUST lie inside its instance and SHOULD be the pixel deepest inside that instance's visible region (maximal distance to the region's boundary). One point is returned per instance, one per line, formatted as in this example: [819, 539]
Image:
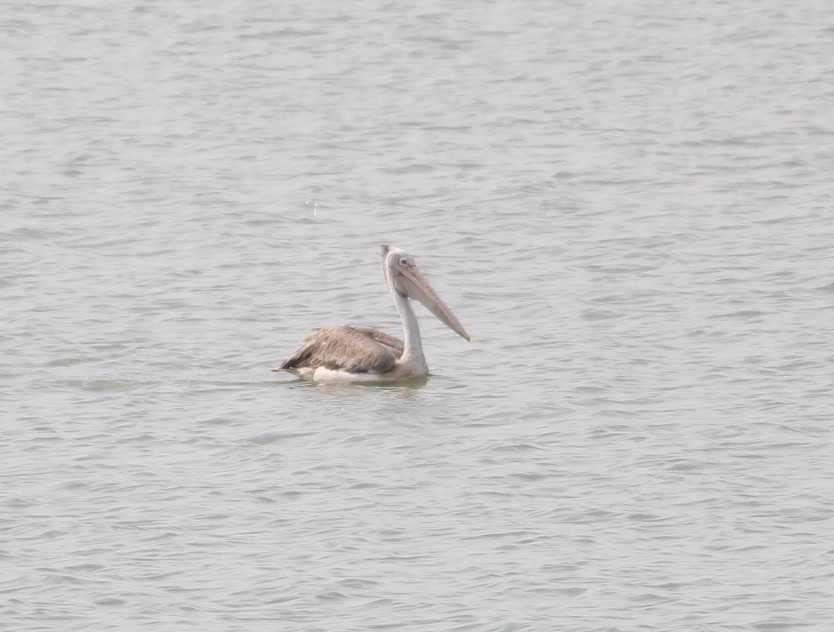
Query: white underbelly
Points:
[322, 374]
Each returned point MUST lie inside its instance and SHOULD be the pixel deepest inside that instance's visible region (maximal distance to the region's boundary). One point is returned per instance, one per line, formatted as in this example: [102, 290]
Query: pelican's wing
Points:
[351, 349]
[380, 336]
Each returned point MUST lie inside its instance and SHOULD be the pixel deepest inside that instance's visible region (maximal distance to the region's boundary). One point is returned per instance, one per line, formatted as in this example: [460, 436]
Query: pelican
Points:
[364, 354]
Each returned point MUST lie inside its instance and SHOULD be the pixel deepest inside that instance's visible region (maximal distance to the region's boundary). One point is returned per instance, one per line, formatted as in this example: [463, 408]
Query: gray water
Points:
[627, 204]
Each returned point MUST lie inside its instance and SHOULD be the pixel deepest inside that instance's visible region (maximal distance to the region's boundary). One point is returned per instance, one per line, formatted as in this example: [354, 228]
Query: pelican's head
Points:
[406, 280]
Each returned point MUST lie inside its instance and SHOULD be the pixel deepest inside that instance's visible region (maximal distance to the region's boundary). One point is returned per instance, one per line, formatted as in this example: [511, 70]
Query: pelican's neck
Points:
[412, 344]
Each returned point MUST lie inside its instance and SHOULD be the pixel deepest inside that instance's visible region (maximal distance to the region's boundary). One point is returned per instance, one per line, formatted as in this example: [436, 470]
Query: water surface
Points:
[628, 207]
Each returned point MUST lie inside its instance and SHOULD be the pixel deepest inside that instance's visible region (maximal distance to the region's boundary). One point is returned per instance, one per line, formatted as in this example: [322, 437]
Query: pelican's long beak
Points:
[417, 287]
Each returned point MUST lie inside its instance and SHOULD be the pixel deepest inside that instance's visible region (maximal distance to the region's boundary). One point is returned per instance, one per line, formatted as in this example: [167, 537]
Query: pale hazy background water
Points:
[628, 205]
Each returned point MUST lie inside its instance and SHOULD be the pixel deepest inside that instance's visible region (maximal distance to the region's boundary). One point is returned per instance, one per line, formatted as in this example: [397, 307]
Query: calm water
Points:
[629, 207]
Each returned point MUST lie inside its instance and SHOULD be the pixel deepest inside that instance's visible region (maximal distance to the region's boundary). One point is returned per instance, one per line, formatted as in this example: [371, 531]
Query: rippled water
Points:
[628, 205]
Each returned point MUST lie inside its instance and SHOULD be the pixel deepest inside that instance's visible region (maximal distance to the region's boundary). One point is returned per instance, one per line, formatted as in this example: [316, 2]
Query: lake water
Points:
[628, 206]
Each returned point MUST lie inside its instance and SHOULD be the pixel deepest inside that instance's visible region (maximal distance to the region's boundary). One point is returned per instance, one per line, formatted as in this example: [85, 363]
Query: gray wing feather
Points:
[354, 349]
[380, 336]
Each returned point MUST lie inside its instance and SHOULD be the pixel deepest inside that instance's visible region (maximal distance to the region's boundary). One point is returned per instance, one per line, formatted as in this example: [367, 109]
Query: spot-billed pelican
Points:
[360, 354]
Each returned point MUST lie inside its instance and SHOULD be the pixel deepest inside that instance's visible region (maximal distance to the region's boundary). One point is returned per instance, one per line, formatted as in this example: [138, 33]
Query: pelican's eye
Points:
[403, 261]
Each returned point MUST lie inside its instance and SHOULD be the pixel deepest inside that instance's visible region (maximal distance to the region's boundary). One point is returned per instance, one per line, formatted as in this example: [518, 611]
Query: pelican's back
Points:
[350, 349]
